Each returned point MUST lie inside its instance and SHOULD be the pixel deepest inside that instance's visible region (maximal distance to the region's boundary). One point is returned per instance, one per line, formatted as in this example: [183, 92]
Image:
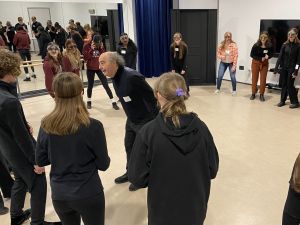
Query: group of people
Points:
[287, 65]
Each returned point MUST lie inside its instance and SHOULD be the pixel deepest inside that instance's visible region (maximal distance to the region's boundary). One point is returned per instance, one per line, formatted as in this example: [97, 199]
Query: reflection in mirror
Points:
[43, 22]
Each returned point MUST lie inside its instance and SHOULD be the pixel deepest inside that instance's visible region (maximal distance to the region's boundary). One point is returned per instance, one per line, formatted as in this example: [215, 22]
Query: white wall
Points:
[242, 18]
[198, 4]
[60, 12]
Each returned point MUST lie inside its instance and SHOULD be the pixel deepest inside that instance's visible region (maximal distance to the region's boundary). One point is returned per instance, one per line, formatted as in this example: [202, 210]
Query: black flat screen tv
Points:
[278, 30]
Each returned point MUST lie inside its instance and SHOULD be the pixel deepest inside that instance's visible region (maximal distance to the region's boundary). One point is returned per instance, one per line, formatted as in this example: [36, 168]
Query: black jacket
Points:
[16, 143]
[178, 64]
[135, 94]
[177, 165]
[289, 57]
[129, 54]
[35, 26]
[75, 160]
[257, 52]
[44, 39]
[10, 33]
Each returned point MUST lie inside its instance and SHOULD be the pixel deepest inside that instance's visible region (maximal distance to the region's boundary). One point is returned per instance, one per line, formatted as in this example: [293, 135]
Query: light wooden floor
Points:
[257, 142]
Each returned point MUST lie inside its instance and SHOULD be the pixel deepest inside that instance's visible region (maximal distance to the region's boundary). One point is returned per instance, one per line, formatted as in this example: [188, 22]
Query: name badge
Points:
[127, 99]
[297, 67]
[265, 51]
[176, 49]
[123, 52]
[227, 51]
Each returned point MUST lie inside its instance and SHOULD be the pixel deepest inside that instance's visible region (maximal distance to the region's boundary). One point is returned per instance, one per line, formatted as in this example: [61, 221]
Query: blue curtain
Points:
[120, 16]
[153, 25]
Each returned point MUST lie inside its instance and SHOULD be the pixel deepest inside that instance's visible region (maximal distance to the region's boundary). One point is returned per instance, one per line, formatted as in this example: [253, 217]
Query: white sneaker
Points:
[217, 91]
[233, 93]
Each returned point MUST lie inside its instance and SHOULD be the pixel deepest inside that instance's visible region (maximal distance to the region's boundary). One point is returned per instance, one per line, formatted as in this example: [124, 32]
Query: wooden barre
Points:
[30, 65]
[36, 60]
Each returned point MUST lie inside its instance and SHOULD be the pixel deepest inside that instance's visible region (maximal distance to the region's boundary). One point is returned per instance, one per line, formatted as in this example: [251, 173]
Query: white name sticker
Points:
[123, 52]
[227, 51]
[265, 51]
[176, 49]
[297, 67]
[127, 99]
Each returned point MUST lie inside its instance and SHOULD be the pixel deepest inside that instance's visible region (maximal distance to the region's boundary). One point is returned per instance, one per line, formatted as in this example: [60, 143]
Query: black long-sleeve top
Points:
[289, 56]
[75, 160]
[258, 52]
[135, 94]
[178, 64]
[129, 54]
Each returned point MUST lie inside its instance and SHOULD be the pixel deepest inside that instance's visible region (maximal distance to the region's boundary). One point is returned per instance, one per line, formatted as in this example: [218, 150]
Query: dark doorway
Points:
[199, 30]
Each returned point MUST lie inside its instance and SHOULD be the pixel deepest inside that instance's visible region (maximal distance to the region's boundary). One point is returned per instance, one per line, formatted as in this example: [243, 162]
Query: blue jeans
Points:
[222, 68]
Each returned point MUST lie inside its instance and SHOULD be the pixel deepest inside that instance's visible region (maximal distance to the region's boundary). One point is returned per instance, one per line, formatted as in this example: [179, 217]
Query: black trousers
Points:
[26, 56]
[37, 186]
[131, 130]
[288, 87]
[91, 77]
[6, 182]
[185, 76]
[287, 219]
[12, 47]
[91, 210]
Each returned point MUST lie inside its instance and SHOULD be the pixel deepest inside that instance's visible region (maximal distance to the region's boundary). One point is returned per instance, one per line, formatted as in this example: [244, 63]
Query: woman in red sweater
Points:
[52, 65]
[71, 58]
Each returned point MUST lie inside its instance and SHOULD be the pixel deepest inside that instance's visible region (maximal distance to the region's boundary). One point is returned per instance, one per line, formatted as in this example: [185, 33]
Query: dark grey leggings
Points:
[91, 210]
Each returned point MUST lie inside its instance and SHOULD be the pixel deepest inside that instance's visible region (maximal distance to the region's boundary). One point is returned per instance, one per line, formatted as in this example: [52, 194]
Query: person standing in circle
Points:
[178, 51]
[228, 54]
[261, 52]
[128, 50]
[71, 61]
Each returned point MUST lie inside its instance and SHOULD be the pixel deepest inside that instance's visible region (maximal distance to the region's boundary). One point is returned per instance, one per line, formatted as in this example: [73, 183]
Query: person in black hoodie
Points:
[136, 97]
[10, 32]
[128, 50]
[77, 191]
[174, 155]
[44, 40]
[288, 62]
[291, 211]
[61, 36]
[178, 53]
[261, 52]
[17, 146]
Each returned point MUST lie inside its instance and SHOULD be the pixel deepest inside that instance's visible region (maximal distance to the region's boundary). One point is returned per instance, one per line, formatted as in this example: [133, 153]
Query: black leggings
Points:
[26, 56]
[91, 77]
[287, 219]
[91, 210]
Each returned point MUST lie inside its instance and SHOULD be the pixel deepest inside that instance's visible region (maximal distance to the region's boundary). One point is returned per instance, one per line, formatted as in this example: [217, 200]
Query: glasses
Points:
[72, 47]
[124, 38]
[53, 49]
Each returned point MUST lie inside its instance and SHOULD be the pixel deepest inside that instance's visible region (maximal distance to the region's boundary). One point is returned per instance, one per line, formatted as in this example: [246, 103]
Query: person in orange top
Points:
[228, 54]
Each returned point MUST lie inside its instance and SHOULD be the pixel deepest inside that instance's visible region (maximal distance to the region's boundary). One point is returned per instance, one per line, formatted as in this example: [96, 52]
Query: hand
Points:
[173, 71]
[182, 72]
[233, 69]
[263, 59]
[266, 57]
[294, 75]
[30, 129]
[39, 170]
[275, 71]
[93, 46]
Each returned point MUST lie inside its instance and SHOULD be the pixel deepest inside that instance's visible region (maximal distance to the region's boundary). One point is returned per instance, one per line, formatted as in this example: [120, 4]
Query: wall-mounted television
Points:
[278, 30]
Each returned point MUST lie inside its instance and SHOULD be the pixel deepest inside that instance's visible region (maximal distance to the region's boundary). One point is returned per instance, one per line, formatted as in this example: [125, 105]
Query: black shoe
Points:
[89, 104]
[133, 188]
[33, 76]
[4, 210]
[22, 218]
[294, 106]
[252, 97]
[280, 104]
[122, 179]
[261, 98]
[27, 79]
[115, 106]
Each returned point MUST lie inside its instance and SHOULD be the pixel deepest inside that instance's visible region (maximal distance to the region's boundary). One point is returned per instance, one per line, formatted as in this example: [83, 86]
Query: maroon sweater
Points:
[22, 40]
[67, 66]
[50, 70]
[91, 56]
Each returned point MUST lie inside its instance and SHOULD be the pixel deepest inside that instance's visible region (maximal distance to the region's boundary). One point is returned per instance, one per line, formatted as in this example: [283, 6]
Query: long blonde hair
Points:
[172, 87]
[296, 175]
[74, 58]
[293, 30]
[222, 46]
[70, 111]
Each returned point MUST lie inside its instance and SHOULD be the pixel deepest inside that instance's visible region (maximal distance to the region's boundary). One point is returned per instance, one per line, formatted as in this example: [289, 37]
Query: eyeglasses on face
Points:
[53, 49]
[124, 38]
[72, 47]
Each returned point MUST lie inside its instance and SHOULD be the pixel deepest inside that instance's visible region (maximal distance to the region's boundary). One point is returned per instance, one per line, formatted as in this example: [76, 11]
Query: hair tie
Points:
[180, 92]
